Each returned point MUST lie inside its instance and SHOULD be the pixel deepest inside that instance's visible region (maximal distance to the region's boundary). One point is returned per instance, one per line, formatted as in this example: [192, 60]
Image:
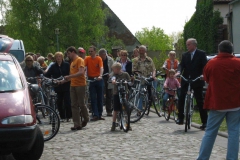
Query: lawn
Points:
[196, 119]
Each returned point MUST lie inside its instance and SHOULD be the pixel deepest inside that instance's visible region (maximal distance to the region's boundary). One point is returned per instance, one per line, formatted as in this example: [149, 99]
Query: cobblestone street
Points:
[148, 140]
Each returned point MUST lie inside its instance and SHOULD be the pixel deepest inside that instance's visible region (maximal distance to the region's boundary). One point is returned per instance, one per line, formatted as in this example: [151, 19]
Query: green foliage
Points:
[159, 60]
[155, 39]
[203, 26]
[110, 42]
[81, 23]
[178, 40]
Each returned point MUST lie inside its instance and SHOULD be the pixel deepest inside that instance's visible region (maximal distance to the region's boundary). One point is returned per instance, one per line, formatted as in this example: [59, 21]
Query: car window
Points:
[9, 77]
[4, 44]
[19, 54]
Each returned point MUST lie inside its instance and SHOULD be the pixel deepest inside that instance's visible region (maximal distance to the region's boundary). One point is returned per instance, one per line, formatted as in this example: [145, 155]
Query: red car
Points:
[19, 132]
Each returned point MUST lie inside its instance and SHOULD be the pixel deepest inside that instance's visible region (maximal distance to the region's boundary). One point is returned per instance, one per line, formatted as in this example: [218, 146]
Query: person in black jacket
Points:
[31, 70]
[126, 64]
[191, 66]
[58, 69]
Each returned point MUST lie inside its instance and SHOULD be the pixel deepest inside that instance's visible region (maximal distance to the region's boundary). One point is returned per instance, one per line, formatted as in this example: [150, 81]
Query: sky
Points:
[169, 15]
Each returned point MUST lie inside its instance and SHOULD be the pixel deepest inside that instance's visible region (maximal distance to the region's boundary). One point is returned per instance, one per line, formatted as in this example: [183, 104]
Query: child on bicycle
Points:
[117, 74]
[171, 83]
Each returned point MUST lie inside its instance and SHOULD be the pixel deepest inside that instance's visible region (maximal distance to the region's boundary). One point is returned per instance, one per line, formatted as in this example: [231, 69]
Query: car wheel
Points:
[35, 152]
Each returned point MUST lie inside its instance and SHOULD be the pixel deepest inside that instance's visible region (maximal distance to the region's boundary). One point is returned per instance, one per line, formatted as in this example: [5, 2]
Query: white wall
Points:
[224, 9]
[236, 26]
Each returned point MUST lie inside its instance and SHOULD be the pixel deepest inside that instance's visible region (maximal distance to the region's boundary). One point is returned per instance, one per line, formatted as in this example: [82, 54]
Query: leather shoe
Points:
[94, 118]
[179, 122]
[203, 126]
[84, 123]
[100, 118]
[76, 128]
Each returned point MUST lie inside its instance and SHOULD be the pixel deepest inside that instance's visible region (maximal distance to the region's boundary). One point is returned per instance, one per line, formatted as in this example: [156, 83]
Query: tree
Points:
[203, 26]
[154, 39]
[178, 40]
[110, 42]
[81, 23]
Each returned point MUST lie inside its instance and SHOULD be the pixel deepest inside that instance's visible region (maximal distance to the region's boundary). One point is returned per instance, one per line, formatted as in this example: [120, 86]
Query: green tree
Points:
[81, 23]
[110, 42]
[203, 26]
[178, 40]
[154, 39]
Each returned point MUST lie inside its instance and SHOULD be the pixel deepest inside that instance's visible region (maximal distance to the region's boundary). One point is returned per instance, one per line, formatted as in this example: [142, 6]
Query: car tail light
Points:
[22, 119]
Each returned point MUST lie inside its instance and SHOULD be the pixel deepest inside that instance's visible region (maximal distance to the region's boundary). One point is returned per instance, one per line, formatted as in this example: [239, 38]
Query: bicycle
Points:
[123, 116]
[47, 118]
[140, 94]
[171, 104]
[188, 107]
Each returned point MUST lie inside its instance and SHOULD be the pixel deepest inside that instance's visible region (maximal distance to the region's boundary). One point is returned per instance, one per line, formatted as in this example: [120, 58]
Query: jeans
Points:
[215, 119]
[96, 95]
[140, 98]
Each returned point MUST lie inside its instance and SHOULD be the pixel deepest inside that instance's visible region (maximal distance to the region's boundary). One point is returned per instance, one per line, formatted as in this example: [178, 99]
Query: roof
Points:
[234, 1]
[5, 57]
[222, 1]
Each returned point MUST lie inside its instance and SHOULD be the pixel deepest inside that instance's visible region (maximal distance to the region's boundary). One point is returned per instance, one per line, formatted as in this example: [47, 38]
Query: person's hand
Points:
[99, 78]
[67, 78]
[154, 78]
[132, 78]
[177, 74]
[202, 77]
[113, 81]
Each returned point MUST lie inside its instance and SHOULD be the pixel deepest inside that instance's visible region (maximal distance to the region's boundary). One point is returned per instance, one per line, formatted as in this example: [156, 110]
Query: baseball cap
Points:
[80, 49]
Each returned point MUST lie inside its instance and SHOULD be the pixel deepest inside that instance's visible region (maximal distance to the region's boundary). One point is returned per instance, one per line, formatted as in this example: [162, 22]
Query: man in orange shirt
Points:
[77, 89]
[94, 66]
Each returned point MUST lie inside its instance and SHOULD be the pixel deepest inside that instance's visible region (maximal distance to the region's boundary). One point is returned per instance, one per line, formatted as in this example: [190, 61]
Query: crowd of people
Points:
[100, 67]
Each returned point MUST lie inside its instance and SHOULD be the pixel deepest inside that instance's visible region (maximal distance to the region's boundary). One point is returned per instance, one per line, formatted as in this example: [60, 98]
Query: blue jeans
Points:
[140, 98]
[215, 119]
[96, 95]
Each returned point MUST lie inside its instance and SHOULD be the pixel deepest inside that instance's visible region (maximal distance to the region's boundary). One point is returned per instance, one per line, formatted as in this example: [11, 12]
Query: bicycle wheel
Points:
[148, 108]
[159, 93]
[125, 117]
[175, 111]
[48, 122]
[157, 103]
[135, 112]
[191, 110]
[187, 105]
[167, 111]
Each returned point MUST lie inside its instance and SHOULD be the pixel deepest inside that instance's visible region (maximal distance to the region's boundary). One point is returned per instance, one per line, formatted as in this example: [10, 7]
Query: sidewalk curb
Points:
[195, 125]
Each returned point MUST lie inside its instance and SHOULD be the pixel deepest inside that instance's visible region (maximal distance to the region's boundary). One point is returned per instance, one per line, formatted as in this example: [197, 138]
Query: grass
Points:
[196, 119]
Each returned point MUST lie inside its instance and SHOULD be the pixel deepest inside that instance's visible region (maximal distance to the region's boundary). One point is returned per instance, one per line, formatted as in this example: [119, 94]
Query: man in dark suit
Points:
[191, 66]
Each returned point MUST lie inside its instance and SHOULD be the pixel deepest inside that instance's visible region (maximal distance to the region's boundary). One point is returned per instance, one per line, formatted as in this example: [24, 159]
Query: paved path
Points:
[150, 139]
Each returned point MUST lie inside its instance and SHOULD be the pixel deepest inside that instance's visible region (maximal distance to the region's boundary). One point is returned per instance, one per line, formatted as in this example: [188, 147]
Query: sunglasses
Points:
[124, 55]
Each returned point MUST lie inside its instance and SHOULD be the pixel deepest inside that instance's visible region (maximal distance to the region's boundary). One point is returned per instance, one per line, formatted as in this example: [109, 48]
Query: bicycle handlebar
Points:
[170, 89]
[120, 81]
[51, 81]
[191, 80]
[95, 79]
